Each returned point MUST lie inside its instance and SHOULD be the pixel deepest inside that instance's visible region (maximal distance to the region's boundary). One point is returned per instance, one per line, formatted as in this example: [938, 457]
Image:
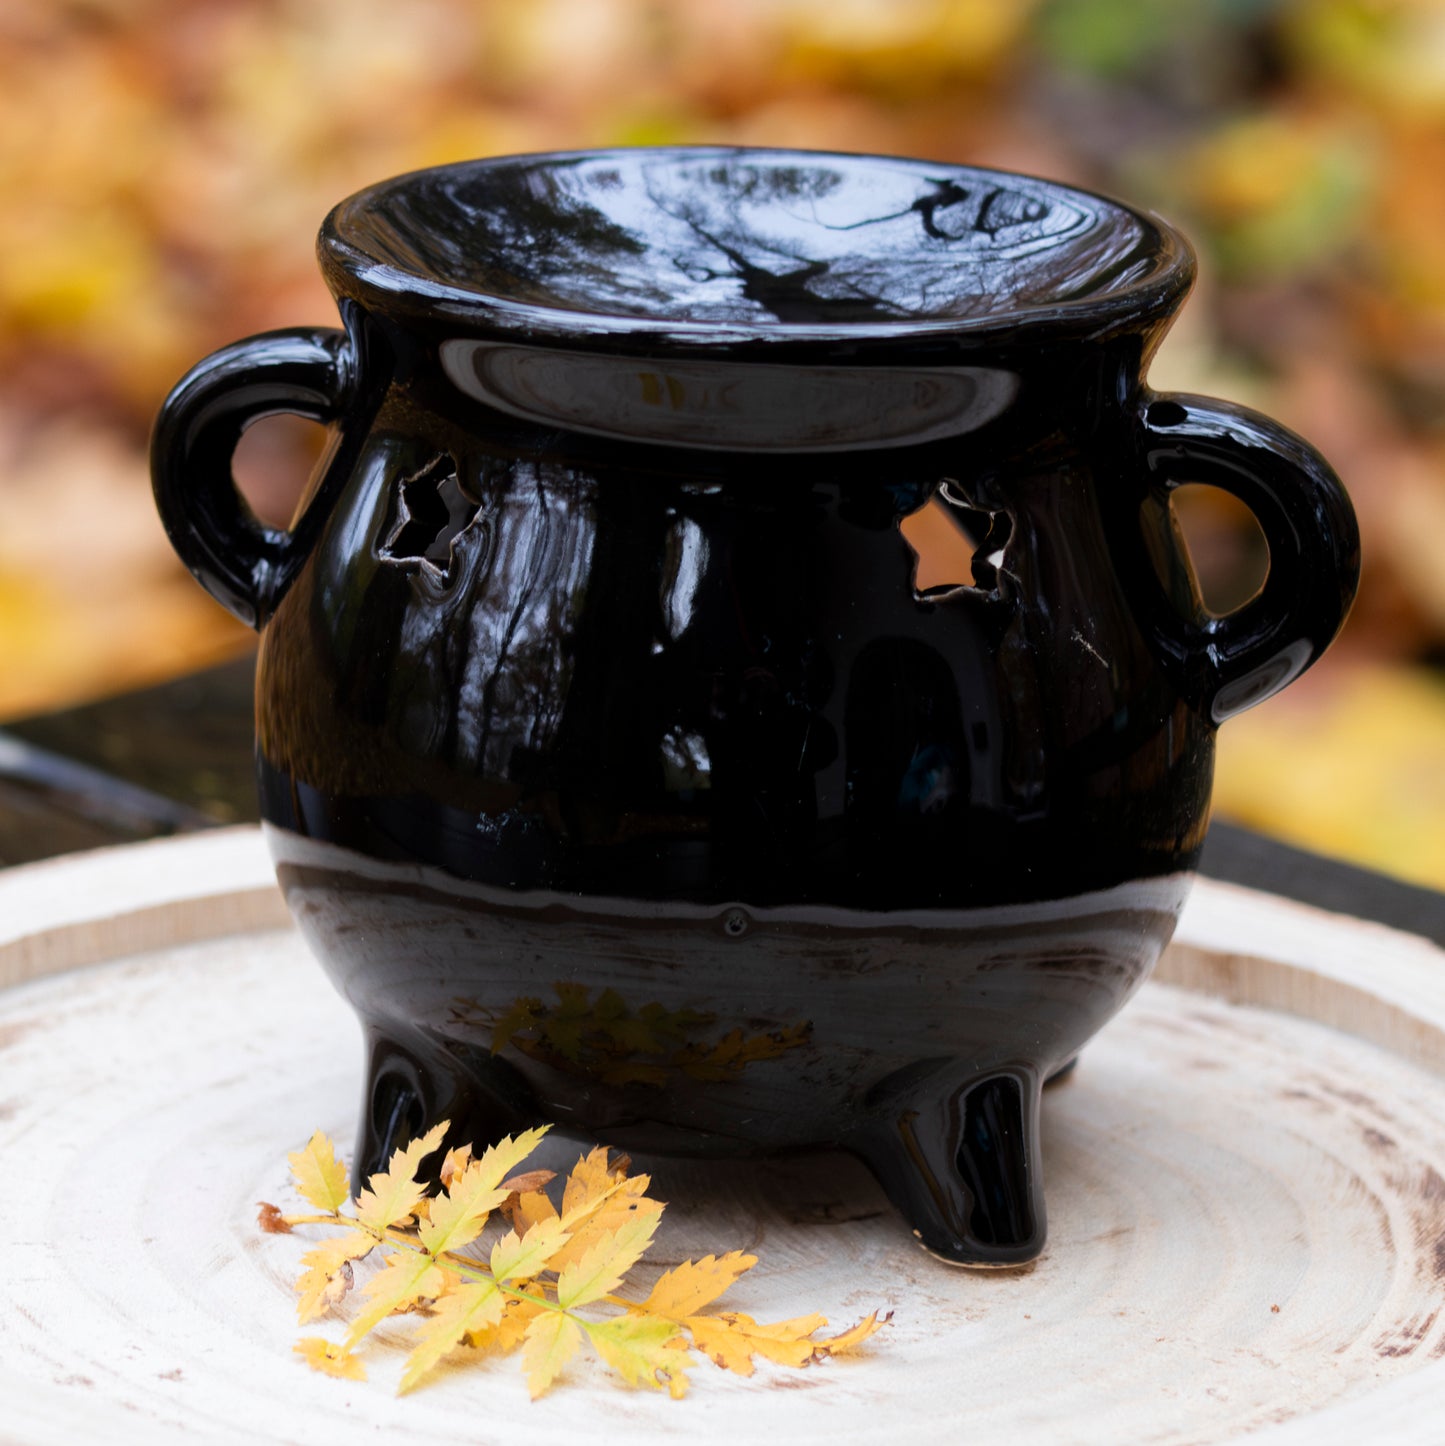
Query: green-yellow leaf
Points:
[551, 1340]
[329, 1358]
[643, 1350]
[498, 1161]
[457, 1218]
[393, 1193]
[517, 1257]
[601, 1269]
[319, 1175]
[408, 1278]
[322, 1264]
[471, 1307]
[694, 1284]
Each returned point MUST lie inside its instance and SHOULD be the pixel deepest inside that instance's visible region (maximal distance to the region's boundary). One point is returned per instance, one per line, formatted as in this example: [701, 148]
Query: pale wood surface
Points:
[1266, 1129]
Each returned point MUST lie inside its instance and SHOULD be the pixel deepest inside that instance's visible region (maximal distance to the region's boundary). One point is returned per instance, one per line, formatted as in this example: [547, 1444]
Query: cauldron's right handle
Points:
[243, 564]
[1236, 661]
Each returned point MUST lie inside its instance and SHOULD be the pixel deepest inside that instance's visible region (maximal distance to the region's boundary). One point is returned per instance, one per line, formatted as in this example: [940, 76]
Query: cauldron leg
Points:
[1063, 1072]
[962, 1166]
[413, 1081]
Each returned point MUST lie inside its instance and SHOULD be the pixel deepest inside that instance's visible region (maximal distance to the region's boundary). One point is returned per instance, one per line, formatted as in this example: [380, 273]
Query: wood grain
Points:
[1271, 1135]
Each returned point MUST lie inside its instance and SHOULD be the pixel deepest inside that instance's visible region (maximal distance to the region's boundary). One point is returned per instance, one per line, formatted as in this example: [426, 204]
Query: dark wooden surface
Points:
[177, 757]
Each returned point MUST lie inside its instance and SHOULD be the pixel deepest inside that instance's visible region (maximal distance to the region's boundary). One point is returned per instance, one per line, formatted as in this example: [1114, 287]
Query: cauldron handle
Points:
[242, 563]
[1230, 663]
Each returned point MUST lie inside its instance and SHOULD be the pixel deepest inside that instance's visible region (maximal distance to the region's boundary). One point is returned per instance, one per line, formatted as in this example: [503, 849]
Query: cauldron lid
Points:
[715, 245]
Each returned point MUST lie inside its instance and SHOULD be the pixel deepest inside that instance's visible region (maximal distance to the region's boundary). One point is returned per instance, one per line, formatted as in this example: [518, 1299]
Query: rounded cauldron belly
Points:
[704, 1029]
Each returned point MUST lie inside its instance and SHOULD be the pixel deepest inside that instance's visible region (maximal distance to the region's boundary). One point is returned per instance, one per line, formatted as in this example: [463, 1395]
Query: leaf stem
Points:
[393, 1235]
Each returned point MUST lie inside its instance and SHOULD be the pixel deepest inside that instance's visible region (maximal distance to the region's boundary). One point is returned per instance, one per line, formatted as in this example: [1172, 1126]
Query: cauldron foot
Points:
[413, 1081]
[1063, 1072]
[962, 1166]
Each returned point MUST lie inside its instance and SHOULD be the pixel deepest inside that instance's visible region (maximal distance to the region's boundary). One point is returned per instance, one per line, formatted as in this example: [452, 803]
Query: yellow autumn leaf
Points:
[329, 1358]
[551, 1341]
[472, 1306]
[506, 1335]
[600, 1209]
[517, 1257]
[530, 1208]
[453, 1163]
[319, 1175]
[408, 1278]
[456, 1218]
[600, 1270]
[686, 1289]
[393, 1193]
[322, 1264]
[605, 1221]
[591, 1179]
[854, 1336]
[732, 1340]
[541, 1274]
[529, 1182]
[780, 1340]
[581, 1214]
[643, 1351]
[720, 1344]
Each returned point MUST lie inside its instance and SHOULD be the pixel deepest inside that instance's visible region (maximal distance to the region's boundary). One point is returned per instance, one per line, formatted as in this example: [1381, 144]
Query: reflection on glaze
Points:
[748, 237]
[747, 408]
[606, 1041]
[684, 561]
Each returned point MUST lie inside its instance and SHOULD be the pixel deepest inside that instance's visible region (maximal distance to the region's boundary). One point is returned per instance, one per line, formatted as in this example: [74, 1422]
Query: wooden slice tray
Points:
[1246, 1186]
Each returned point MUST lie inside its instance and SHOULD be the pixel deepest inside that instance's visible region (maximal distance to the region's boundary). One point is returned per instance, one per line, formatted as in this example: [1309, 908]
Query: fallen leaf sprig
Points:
[542, 1285]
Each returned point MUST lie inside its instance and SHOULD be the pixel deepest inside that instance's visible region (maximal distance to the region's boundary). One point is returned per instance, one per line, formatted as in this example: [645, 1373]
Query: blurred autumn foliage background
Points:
[164, 165]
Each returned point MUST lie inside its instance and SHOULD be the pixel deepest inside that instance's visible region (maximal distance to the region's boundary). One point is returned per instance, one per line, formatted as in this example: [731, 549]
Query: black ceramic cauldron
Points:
[614, 764]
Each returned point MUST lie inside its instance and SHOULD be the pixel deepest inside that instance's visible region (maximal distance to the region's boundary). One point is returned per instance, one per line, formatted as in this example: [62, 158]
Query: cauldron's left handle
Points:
[242, 563]
[1238, 660]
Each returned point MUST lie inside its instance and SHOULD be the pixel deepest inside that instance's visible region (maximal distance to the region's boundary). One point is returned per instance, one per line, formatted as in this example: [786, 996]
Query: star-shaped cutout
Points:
[970, 529]
[432, 512]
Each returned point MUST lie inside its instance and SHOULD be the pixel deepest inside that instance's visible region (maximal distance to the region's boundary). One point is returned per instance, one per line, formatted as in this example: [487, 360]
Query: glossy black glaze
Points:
[711, 249]
[614, 765]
